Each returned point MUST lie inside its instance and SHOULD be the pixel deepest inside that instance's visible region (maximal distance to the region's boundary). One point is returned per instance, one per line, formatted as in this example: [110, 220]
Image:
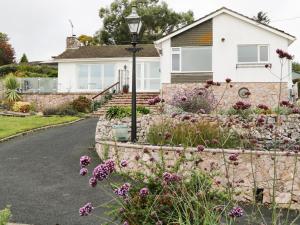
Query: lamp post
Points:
[134, 24]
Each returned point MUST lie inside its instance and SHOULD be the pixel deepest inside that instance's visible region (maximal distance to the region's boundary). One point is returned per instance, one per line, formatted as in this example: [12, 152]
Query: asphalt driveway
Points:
[40, 179]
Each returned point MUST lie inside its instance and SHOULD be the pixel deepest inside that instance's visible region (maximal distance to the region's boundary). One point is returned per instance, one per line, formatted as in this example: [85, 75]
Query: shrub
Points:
[5, 215]
[122, 112]
[25, 70]
[23, 107]
[4, 70]
[82, 104]
[63, 110]
[197, 100]
[11, 85]
[192, 134]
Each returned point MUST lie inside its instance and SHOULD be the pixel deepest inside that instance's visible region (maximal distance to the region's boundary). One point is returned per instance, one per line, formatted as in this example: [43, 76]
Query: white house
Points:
[221, 44]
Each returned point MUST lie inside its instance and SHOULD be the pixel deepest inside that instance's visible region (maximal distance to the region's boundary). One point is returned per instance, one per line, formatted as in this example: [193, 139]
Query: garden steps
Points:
[125, 100]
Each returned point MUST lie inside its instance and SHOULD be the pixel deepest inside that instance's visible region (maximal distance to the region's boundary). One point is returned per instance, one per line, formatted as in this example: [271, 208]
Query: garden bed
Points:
[212, 160]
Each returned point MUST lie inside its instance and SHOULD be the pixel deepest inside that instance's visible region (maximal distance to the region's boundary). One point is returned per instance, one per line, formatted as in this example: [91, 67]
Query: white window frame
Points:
[89, 75]
[180, 59]
[258, 54]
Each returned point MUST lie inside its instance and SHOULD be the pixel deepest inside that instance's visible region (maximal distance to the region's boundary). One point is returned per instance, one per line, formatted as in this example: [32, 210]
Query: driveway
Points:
[40, 179]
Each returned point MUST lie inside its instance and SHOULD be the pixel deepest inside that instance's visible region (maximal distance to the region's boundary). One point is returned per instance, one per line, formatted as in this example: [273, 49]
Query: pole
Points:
[133, 97]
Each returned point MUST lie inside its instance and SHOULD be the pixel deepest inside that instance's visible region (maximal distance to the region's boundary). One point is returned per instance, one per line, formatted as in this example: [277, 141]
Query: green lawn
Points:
[14, 125]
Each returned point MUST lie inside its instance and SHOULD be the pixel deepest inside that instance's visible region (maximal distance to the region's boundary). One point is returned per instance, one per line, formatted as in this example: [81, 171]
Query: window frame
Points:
[258, 54]
[180, 59]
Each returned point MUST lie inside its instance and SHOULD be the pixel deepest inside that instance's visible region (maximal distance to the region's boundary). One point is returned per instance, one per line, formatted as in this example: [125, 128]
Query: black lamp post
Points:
[134, 24]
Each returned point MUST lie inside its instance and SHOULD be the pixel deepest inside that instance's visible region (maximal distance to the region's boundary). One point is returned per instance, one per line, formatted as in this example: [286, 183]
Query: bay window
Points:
[192, 59]
[253, 53]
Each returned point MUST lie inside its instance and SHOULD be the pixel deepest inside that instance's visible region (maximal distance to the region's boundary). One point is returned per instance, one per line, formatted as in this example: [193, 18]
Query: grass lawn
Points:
[14, 125]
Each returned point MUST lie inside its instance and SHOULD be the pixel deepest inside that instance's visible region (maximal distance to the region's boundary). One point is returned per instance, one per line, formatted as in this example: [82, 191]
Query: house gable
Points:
[200, 35]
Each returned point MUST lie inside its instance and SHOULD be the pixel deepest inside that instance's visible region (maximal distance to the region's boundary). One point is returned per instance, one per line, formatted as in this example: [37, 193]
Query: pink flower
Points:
[200, 148]
[83, 171]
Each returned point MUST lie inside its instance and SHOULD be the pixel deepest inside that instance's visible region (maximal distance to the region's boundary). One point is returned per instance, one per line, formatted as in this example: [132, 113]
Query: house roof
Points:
[108, 51]
[233, 13]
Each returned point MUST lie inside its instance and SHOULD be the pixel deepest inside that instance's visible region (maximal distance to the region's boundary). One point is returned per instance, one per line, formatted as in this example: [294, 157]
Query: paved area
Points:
[40, 179]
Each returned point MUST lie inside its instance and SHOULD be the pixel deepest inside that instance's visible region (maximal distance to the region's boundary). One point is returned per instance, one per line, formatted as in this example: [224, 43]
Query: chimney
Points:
[72, 42]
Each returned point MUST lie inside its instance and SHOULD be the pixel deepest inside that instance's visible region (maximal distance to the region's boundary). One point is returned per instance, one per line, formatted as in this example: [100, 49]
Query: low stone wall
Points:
[288, 129]
[240, 175]
[261, 93]
[43, 101]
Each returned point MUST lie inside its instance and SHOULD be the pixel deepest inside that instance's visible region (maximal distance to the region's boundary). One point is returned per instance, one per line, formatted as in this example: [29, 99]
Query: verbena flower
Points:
[102, 171]
[144, 192]
[86, 209]
[228, 80]
[126, 223]
[123, 190]
[233, 157]
[124, 163]
[169, 177]
[93, 182]
[111, 165]
[263, 107]
[83, 171]
[200, 148]
[85, 160]
[236, 212]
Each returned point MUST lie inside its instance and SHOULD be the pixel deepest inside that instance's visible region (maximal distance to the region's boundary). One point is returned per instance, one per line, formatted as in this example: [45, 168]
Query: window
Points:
[95, 76]
[192, 59]
[253, 53]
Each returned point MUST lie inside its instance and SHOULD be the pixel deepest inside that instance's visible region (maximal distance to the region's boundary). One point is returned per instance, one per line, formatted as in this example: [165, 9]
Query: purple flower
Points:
[233, 157]
[169, 178]
[123, 190]
[200, 148]
[157, 100]
[151, 102]
[111, 165]
[183, 98]
[144, 192]
[236, 212]
[228, 80]
[86, 209]
[83, 171]
[126, 223]
[124, 163]
[85, 160]
[174, 115]
[167, 135]
[93, 182]
[101, 172]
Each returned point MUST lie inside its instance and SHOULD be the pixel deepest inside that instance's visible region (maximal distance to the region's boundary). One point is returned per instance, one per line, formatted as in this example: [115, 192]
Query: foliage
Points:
[7, 53]
[14, 125]
[197, 100]
[296, 67]
[262, 17]
[192, 133]
[82, 104]
[86, 40]
[96, 104]
[119, 112]
[158, 20]
[11, 85]
[5, 215]
[62, 110]
[23, 107]
[26, 70]
[24, 59]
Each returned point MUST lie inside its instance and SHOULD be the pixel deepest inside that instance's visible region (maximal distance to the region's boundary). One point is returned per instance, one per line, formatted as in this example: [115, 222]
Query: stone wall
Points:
[240, 175]
[43, 101]
[288, 129]
[261, 93]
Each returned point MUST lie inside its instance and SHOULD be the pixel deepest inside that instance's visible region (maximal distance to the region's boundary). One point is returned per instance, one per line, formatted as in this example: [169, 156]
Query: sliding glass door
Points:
[148, 76]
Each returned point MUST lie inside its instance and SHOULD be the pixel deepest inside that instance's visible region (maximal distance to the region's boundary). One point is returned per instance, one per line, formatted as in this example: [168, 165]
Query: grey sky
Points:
[39, 27]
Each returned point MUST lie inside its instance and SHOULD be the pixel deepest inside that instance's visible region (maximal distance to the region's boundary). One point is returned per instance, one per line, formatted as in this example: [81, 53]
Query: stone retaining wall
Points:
[212, 160]
[43, 101]
[261, 93]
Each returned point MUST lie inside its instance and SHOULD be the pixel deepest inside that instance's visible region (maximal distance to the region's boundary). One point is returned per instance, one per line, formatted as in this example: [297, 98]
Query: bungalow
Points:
[221, 44]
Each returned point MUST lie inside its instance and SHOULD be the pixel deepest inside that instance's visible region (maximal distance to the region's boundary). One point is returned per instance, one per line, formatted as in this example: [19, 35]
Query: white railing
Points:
[38, 85]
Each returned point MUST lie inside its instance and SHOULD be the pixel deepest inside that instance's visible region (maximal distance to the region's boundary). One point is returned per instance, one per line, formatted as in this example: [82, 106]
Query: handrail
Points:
[113, 85]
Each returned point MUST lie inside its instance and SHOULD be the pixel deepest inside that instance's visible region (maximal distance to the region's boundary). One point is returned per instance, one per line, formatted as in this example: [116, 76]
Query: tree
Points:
[296, 67]
[7, 53]
[262, 17]
[158, 20]
[24, 59]
[86, 40]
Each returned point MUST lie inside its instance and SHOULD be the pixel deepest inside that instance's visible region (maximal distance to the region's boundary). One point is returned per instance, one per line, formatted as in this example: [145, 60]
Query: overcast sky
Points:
[39, 27]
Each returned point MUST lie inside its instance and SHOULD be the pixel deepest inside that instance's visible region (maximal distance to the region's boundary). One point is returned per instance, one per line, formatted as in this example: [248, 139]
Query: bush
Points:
[25, 70]
[197, 100]
[82, 104]
[5, 215]
[192, 134]
[23, 107]
[11, 85]
[63, 110]
[122, 112]
[4, 70]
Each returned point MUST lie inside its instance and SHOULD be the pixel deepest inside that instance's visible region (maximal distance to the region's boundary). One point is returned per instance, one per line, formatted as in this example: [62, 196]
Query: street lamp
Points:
[134, 23]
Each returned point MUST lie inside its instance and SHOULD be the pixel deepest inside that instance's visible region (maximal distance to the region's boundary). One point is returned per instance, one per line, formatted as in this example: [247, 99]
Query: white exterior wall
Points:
[66, 77]
[237, 32]
[165, 62]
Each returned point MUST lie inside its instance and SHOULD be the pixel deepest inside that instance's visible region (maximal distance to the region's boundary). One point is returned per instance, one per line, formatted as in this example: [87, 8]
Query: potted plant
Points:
[125, 88]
